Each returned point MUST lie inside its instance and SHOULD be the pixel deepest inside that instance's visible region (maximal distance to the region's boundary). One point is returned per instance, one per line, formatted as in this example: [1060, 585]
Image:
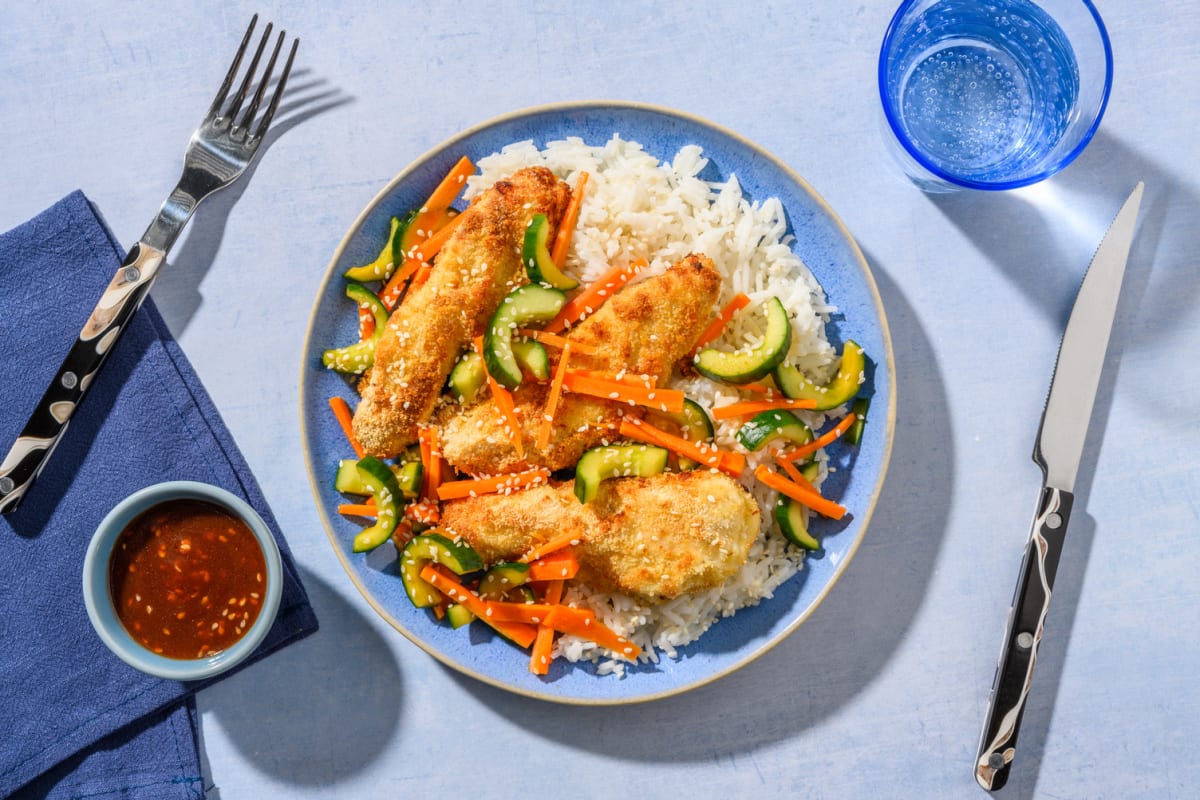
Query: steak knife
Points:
[1057, 450]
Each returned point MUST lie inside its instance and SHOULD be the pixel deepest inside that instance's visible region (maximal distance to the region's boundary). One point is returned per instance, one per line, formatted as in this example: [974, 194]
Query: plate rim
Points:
[573, 107]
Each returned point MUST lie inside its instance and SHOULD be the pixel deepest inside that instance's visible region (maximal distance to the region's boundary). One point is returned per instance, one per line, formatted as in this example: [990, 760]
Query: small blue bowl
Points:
[99, 601]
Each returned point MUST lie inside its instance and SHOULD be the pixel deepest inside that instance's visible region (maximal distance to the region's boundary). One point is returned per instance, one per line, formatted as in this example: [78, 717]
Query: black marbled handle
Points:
[1026, 622]
[49, 420]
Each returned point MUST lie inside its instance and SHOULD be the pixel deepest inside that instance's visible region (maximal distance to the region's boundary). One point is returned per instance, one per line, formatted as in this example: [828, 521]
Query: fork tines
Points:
[230, 114]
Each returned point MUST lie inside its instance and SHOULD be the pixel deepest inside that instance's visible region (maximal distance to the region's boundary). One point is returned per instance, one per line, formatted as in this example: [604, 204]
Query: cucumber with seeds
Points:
[768, 425]
[524, 305]
[694, 424]
[458, 615]
[616, 461]
[385, 263]
[745, 367]
[408, 478]
[360, 356]
[840, 390]
[468, 376]
[427, 548]
[535, 255]
[791, 516]
[381, 481]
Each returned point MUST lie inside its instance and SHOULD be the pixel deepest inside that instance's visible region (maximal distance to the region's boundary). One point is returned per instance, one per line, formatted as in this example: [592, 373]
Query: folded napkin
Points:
[75, 721]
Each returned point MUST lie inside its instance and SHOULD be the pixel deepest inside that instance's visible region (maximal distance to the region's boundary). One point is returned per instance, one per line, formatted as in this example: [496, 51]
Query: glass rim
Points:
[891, 114]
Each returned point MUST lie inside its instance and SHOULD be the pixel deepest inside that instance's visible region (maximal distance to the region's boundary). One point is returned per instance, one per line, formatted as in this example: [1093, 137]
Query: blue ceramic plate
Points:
[821, 241]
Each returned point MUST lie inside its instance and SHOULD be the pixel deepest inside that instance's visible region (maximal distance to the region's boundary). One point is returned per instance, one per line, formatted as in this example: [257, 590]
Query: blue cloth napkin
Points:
[75, 721]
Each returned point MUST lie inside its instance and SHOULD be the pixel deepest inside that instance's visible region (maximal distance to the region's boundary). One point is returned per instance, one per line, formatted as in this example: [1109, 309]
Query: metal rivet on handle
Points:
[996, 760]
[69, 380]
[6, 485]
[1024, 640]
[132, 274]
[1053, 521]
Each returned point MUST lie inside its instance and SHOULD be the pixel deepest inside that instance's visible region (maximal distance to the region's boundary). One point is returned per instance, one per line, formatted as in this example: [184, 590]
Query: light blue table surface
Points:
[882, 692]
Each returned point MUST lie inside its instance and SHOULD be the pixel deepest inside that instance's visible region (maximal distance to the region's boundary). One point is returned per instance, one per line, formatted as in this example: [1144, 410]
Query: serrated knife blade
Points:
[1058, 449]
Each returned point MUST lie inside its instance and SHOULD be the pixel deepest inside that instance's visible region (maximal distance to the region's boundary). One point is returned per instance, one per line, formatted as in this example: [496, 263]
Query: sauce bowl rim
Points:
[98, 600]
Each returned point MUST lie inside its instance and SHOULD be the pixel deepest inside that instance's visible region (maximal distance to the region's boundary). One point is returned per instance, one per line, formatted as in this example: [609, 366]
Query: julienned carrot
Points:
[653, 397]
[358, 509]
[495, 484]
[441, 580]
[560, 373]
[529, 613]
[444, 194]
[794, 473]
[342, 412]
[539, 657]
[391, 293]
[584, 624]
[707, 455]
[747, 407]
[801, 495]
[591, 298]
[505, 404]
[431, 459]
[717, 326]
[554, 340]
[427, 249]
[366, 322]
[824, 439]
[562, 565]
[562, 240]
[758, 388]
[560, 542]
[424, 511]
[623, 377]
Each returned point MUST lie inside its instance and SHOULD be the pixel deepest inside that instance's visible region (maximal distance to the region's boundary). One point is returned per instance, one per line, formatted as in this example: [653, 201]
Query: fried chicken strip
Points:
[655, 538]
[643, 329]
[476, 268]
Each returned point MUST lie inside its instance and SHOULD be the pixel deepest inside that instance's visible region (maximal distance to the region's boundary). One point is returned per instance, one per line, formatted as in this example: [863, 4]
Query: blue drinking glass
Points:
[992, 94]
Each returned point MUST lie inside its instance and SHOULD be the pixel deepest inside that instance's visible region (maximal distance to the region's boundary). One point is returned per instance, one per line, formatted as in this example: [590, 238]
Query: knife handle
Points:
[49, 420]
[1026, 622]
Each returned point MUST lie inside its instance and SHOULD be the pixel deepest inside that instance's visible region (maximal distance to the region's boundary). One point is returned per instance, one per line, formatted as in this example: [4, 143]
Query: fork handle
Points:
[124, 295]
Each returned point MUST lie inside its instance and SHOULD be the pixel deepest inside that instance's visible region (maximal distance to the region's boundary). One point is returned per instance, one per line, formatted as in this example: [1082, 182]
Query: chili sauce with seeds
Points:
[187, 579]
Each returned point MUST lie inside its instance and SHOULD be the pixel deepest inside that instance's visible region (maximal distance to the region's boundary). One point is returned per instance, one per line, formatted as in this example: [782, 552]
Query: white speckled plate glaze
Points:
[820, 240]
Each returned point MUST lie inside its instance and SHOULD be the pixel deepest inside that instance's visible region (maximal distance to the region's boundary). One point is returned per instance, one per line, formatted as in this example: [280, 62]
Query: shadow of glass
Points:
[179, 294]
[267, 711]
[876, 599]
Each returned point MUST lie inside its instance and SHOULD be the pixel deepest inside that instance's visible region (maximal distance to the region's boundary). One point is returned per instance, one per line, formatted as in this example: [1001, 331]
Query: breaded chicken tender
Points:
[655, 538]
[477, 266]
[642, 330]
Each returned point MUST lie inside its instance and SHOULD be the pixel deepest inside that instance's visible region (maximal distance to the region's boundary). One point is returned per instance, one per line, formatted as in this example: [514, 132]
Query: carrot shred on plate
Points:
[341, 411]
[431, 457]
[543, 644]
[562, 565]
[563, 540]
[425, 512]
[366, 322]
[805, 450]
[623, 377]
[717, 326]
[358, 509]
[427, 249]
[707, 455]
[586, 302]
[546, 429]
[554, 340]
[394, 289]
[529, 613]
[442, 580]
[504, 404]
[562, 239]
[582, 623]
[442, 197]
[653, 397]
[747, 407]
[800, 494]
[494, 484]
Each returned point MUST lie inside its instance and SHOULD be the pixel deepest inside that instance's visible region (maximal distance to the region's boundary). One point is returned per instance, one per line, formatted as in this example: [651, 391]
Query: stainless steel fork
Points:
[218, 153]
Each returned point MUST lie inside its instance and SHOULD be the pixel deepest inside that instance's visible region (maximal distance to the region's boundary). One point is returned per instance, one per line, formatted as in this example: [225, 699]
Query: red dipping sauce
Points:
[187, 579]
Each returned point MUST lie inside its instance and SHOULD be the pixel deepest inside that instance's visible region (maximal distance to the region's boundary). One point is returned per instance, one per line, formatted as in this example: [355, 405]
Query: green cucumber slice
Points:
[532, 359]
[385, 263]
[433, 547]
[695, 425]
[767, 425]
[838, 391]
[458, 616]
[499, 581]
[524, 305]
[408, 478]
[379, 479]
[467, 378]
[792, 516]
[616, 461]
[750, 366]
[860, 408]
[360, 356]
[535, 255]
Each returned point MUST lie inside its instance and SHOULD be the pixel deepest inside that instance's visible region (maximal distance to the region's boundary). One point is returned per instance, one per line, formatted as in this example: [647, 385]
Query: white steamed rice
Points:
[634, 207]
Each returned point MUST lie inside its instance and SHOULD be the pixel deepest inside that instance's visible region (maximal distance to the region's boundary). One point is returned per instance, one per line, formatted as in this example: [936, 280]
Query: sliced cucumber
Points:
[500, 581]
[616, 461]
[535, 255]
[838, 391]
[860, 408]
[467, 378]
[768, 425]
[360, 356]
[750, 366]
[379, 479]
[433, 547]
[792, 516]
[695, 424]
[385, 263]
[532, 359]
[405, 239]
[524, 305]
[458, 616]
[408, 478]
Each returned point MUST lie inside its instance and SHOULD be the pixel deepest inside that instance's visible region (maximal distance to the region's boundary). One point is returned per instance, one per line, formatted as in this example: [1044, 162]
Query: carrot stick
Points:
[505, 404]
[391, 293]
[717, 326]
[560, 372]
[495, 484]
[758, 388]
[816, 502]
[627, 378]
[366, 323]
[443, 195]
[448, 585]
[558, 341]
[708, 455]
[794, 473]
[569, 539]
[591, 298]
[653, 397]
[342, 412]
[562, 239]
[530, 613]
[423, 511]
[562, 565]
[748, 407]
[427, 249]
[539, 657]
[358, 509]
[431, 456]
[584, 624]
[821, 441]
